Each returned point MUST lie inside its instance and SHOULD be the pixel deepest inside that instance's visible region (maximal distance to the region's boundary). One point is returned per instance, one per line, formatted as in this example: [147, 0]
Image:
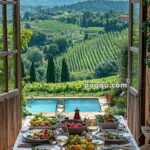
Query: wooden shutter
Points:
[136, 67]
[10, 81]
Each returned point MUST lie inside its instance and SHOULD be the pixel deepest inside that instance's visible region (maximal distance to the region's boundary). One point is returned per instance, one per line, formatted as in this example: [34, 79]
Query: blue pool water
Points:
[41, 105]
[85, 105]
[49, 105]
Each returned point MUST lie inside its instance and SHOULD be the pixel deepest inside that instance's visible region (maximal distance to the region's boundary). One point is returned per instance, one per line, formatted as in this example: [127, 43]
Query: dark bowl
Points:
[77, 130]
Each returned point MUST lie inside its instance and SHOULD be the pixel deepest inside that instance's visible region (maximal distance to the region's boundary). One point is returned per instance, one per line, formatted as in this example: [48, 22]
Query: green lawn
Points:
[93, 29]
[53, 26]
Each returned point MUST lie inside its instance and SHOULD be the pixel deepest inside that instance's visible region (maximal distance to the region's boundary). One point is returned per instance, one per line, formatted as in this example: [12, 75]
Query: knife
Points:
[27, 145]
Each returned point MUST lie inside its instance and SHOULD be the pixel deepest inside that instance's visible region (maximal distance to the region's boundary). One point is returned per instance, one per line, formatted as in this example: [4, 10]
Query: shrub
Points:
[120, 102]
[69, 87]
[106, 69]
[24, 101]
[116, 111]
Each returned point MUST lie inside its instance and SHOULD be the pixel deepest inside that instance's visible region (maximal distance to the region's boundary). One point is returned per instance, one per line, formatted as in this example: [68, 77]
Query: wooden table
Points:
[25, 126]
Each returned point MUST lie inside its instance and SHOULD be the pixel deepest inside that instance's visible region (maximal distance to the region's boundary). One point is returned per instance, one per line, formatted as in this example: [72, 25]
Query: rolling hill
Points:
[98, 6]
[87, 55]
[50, 3]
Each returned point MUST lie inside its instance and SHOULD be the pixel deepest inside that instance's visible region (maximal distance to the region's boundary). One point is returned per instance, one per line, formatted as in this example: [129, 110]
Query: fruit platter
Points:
[113, 137]
[40, 121]
[107, 121]
[39, 135]
[79, 143]
[75, 128]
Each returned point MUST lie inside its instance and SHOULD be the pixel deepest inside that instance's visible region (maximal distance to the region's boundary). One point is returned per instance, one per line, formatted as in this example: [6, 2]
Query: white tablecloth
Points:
[20, 138]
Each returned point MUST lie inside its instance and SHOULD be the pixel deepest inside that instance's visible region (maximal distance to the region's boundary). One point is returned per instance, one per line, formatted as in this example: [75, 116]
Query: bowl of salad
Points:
[40, 121]
[107, 121]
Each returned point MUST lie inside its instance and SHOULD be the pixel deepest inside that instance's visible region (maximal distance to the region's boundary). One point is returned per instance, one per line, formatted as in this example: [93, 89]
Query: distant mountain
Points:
[98, 6]
[48, 3]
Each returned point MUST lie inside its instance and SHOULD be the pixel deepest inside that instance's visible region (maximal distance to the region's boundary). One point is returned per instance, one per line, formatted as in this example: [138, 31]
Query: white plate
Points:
[109, 125]
[117, 140]
[30, 132]
[125, 138]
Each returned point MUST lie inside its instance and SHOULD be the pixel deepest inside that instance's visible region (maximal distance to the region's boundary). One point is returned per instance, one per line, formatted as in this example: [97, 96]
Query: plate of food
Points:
[107, 121]
[40, 121]
[75, 128]
[39, 135]
[76, 142]
[113, 137]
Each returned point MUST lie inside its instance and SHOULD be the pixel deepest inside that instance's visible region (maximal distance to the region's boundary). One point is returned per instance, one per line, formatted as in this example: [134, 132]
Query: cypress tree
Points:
[50, 70]
[86, 36]
[64, 72]
[32, 73]
[22, 69]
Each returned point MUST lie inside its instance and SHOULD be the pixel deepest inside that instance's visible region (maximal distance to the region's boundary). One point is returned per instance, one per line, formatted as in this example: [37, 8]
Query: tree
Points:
[122, 44]
[85, 17]
[37, 39]
[22, 69]
[65, 76]
[25, 38]
[86, 36]
[50, 70]
[35, 55]
[51, 49]
[27, 16]
[106, 69]
[32, 73]
[62, 44]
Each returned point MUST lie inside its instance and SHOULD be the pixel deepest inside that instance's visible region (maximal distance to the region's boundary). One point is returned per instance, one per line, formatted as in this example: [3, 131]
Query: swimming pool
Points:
[49, 105]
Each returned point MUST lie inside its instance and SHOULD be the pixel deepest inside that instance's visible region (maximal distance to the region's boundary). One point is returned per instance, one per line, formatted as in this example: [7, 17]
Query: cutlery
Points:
[27, 145]
[25, 129]
[118, 148]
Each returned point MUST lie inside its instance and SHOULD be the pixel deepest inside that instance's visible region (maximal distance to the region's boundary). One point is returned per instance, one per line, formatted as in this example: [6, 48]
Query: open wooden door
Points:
[136, 67]
[10, 101]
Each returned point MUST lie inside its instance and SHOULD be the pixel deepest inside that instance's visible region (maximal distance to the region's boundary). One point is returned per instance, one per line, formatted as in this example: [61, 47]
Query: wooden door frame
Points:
[140, 92]
[15, 51]
[10, 100]
[143, 48]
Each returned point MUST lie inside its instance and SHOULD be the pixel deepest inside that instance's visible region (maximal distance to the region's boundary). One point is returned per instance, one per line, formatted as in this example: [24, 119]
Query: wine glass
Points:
[92, 127]
[59, 109]
[62, 134]
[99, 144]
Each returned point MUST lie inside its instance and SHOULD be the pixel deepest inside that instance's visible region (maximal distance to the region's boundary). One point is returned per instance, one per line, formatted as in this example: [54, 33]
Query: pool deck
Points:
[102, 102]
